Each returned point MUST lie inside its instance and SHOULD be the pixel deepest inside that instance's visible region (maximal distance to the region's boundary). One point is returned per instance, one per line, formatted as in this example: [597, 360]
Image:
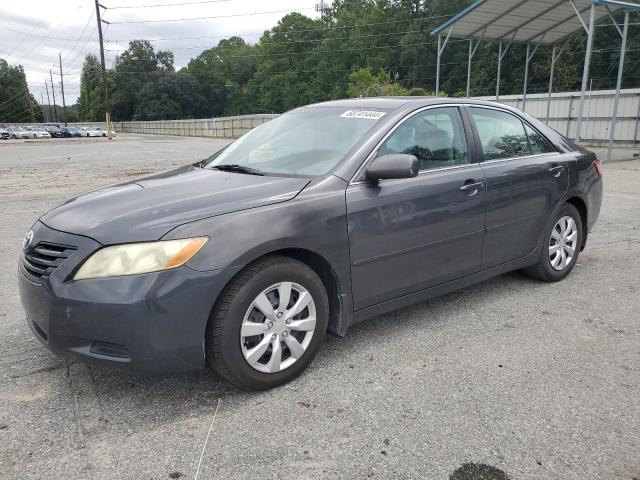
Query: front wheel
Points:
[268, 324]
[561, 246]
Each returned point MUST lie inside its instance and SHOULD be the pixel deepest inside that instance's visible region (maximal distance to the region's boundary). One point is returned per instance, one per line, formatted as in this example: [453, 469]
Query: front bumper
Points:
[150, 323]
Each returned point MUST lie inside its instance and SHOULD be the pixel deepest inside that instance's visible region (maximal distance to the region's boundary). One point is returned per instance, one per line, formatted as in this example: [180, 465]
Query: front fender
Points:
[315, 220]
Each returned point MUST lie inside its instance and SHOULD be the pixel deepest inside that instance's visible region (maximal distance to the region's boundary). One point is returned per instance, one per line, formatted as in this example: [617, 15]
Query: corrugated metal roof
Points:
[535, 21]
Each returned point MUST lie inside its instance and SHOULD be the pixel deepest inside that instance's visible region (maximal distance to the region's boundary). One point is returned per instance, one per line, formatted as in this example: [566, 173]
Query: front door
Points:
[526, 178]
[410, 234]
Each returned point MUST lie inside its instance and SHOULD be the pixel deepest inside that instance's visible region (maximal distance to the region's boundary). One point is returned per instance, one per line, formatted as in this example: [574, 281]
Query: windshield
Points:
[308, 141]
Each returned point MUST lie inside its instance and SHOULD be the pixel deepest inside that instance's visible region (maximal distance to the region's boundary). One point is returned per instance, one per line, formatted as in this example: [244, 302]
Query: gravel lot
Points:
[540, 381]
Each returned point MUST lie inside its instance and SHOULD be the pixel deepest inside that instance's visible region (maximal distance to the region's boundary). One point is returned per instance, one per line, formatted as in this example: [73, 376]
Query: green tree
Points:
[91, 100]
[358, 47]
[16, 102]
[364, 83]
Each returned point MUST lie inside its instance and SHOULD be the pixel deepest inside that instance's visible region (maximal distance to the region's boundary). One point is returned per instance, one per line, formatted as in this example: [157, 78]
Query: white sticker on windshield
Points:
[366, 114]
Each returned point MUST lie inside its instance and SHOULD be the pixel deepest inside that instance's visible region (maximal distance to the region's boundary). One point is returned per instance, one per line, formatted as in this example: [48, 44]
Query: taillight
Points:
[598, 166]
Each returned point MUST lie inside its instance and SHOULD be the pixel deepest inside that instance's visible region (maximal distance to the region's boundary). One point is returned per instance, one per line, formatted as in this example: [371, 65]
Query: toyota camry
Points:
[321, 218]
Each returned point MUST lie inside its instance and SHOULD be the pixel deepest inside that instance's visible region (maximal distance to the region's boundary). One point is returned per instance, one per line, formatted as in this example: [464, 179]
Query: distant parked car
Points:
[19, 132]
[105, 132]
[91, 132]
[41, 133]
[4, 135]
[71, 132]
[54, 131]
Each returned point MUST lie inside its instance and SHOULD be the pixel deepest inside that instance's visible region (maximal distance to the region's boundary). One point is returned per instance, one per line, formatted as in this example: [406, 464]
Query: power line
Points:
[47, 36]
[27, 35]
[319, 52]
[232, 15]
[166, 4]
[284, 42]
[78, 39]
[319, 29]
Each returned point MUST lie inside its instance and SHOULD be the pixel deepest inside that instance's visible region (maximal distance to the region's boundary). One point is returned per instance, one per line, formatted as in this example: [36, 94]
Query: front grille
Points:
[44, 258]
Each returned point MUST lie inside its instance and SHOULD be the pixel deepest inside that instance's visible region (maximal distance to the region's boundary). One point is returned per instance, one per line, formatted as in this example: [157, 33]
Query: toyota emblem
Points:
[28, 238]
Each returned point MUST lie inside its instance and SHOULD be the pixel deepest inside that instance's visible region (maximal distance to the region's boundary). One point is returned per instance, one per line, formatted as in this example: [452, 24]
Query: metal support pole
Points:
[553, 66]
[614, 117]
[529, 56]
[635, 129]
[501, 55]
[438, 65]
[585, 71]
[526, 78]
[469, 67]
[441, 46]
[472, 52]
[499, 68]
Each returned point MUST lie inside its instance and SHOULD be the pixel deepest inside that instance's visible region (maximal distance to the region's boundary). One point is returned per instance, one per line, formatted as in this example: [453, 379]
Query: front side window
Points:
[308, 141]
[502, 135]
[435, 136]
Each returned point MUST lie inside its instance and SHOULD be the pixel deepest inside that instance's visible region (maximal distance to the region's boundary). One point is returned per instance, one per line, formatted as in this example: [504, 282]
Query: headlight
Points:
[135, 258]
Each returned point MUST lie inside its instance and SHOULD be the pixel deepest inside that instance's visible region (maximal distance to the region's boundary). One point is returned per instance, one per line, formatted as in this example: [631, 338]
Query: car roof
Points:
[393, 103]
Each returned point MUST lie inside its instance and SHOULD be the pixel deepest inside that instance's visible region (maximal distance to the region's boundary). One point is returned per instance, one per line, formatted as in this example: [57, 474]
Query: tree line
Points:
[17, 104]
[357, 48]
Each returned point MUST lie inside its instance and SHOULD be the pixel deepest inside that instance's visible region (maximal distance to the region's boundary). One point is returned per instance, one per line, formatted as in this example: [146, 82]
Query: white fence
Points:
[598, 109]
[224, 127]
[563, 111]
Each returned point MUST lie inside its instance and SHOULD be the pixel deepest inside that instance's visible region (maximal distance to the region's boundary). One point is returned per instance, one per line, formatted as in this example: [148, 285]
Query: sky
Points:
[34, 32]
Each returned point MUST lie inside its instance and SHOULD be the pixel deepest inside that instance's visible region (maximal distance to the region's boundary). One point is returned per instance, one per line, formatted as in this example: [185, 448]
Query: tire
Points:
[229, 352]
[544, 269]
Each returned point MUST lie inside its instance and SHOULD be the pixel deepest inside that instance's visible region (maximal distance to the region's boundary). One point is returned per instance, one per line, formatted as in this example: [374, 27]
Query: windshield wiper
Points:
[238, 169]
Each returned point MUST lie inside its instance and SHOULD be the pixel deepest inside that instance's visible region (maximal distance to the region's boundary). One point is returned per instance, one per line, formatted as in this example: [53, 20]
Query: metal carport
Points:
[536, 23]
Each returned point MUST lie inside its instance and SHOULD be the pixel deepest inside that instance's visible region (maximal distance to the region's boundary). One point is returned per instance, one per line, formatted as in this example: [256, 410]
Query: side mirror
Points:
[395, 165]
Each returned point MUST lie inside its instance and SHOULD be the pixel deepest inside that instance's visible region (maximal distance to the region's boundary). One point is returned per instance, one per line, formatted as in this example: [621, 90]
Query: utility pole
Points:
[64, 105]
[46, 85]
[104, 70]
[42, 110]
[53, 93]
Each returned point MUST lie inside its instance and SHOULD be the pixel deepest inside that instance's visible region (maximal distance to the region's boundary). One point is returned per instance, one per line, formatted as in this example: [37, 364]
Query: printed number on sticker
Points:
[366, 114]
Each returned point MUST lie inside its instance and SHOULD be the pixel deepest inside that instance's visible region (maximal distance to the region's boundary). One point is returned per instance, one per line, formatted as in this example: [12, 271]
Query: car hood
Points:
[146, 208]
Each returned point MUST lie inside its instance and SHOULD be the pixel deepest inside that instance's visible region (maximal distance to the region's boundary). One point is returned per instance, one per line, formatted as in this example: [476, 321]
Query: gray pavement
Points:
[541, 381]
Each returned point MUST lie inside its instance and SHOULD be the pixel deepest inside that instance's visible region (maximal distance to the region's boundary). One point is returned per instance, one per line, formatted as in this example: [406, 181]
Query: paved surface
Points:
[617, 154]
[539, 381]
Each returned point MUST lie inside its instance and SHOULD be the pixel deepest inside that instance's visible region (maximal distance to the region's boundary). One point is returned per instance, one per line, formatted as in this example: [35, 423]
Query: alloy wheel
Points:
[563, 243]
[277, 327]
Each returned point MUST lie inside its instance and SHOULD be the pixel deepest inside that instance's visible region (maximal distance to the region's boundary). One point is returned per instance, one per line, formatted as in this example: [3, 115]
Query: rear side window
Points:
[502, 135]
[537, 142]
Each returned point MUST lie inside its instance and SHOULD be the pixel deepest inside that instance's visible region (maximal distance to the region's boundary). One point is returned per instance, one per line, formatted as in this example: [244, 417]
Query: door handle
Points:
[472, 189]
[557, 170]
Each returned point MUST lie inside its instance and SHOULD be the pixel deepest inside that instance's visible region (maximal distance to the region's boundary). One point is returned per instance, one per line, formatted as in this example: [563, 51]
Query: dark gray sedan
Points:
[321, 218]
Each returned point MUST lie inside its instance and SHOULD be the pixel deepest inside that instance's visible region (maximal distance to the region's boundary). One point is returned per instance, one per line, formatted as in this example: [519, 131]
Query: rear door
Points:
[526, 178]
[408, 234]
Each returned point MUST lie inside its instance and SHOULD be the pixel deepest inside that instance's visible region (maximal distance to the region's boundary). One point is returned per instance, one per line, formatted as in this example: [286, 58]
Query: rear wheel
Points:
[562, 242]
[268, 324]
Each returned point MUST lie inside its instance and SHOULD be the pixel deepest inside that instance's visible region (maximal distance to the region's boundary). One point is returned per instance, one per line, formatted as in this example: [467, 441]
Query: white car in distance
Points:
[91, 132]
[40, 133]
[104, 132]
